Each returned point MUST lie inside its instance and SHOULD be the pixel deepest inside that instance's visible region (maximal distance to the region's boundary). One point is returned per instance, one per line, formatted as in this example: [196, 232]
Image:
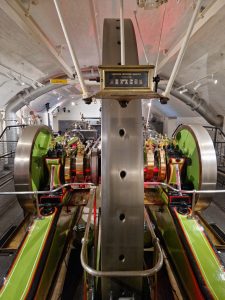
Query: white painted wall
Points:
[91, 110]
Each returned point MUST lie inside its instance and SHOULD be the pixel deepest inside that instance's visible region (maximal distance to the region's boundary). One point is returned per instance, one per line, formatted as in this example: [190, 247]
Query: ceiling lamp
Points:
[150, 4]
[197, 86]
[184, 90]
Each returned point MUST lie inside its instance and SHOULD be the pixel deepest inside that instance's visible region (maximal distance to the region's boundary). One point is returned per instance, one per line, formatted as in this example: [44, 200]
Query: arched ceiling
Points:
[33, 48]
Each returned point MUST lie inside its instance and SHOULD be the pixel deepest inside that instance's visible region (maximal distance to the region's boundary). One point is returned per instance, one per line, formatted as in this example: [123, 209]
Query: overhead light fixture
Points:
[197, 86]
[215, 81]
[183, 91]
[72, 103]
[33, 85]
[19, 81]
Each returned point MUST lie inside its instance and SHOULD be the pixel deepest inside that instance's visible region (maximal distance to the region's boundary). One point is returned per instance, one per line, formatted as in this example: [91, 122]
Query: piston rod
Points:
[122, 36]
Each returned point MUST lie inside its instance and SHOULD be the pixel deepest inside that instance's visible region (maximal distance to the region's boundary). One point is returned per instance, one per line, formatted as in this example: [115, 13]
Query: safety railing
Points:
[82, 186]
[218, 138]
[8, 143]
[7, 155]
[74, 185]
[134, 273]
[9, 128]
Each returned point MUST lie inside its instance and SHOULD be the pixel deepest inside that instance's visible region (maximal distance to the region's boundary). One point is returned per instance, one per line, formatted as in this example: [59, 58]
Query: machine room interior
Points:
[112, 149]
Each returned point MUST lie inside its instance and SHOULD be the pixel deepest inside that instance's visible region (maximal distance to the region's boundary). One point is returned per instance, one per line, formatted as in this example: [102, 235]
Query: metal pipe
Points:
[91, 185]
[200, 105]
[72, 52]
[96, 28]
[96, 273]
[142, 41]
[122, 36]
[149, 109]
[193, 204]
[151, 183]
[182, 50]
[18, 101]
[37, 206]
[160, 38]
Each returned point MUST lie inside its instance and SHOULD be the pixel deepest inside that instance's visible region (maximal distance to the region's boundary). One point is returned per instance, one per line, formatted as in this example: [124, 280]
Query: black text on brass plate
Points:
[132, 79]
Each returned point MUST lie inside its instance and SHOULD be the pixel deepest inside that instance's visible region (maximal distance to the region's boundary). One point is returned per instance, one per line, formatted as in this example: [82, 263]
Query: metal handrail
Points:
[11, 126]
[52, 191]
[141, 273]
[151, 183]
[5, 155]
[91, 185]
[215, 128]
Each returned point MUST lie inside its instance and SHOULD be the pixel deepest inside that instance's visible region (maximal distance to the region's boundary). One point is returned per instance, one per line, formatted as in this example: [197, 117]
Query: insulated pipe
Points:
[72, 53]
[18, 101]
[200, 105]
[122, 37]
[182, 50]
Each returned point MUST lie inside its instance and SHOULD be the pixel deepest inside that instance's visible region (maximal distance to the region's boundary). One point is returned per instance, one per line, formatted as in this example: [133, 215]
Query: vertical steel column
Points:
[122, 176]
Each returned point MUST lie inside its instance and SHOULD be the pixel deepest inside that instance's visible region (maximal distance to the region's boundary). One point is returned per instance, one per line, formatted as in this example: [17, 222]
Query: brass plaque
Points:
[126, 79]
[126, 82]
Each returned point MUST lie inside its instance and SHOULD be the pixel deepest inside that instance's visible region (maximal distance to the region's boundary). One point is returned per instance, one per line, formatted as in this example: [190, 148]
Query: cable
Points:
[142, 42]
[160, 37]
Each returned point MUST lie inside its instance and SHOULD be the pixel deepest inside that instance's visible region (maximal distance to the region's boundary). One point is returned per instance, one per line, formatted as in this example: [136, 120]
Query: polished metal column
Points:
[122, 177]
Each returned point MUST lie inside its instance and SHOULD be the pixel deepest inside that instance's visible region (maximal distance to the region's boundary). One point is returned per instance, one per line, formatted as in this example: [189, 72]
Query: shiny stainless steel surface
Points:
[80, 167]
[67, 169]
[22, 165]
[122, 177]
[94, 165]
[140, 273]
[208, 162]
